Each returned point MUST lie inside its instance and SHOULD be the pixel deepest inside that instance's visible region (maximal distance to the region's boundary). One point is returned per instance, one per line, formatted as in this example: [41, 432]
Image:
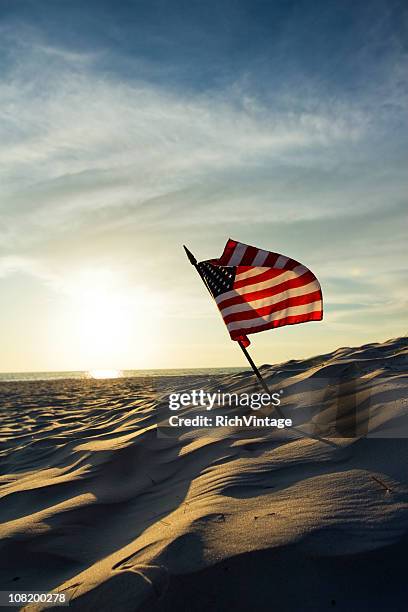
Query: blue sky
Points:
[127, 129]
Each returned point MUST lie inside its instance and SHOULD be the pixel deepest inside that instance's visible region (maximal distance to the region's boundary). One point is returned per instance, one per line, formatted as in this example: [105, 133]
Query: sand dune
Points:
[98, 505]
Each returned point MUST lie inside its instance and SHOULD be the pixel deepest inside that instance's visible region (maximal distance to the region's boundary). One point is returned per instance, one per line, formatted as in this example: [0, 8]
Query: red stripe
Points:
[290, 264]
[243, 340]
[299, 281]
[249, 256]
[228, 251]
[303, 318]
[258, 278]
[241, 269]
[270, 260]
[267, 310]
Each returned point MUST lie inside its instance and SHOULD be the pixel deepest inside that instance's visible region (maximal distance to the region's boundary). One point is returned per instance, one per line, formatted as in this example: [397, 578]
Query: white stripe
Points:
[260, 257]
[281, 262]
[300, 270]
[271, 282]
[276, 316]
[273, 299]
[251, 272]
[237, 254]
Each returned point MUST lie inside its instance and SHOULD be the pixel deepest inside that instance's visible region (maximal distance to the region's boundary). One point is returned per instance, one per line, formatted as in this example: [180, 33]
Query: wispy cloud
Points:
[73, 140]
[76, 143]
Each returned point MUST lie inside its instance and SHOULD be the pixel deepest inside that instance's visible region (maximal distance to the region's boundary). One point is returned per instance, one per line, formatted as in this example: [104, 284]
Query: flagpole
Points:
[257, 373]
[255, 369]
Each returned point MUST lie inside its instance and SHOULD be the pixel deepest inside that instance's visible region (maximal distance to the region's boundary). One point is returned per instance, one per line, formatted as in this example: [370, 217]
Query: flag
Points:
[257, 290]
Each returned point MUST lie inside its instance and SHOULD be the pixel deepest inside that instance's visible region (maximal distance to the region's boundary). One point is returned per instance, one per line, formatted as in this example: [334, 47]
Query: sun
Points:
[110, 319]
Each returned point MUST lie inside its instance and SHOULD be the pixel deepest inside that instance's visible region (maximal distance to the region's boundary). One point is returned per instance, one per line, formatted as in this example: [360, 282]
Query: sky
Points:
[130, 128]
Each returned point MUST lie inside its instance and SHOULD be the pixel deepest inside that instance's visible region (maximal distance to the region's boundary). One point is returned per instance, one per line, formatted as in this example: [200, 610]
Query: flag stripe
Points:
[256, 305]
[258, 277]
[275, 316]
[260, 258]
[270, 281]
[271, 259]
[291, 320]
[265, 289]
[229, 249]
[243, 272]
[248, 256]
[237, 255]
[280, 262]
[246, 272]
[289, 302]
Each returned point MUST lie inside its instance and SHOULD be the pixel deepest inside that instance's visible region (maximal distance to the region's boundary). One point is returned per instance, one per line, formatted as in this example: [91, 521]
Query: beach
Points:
[102, 502]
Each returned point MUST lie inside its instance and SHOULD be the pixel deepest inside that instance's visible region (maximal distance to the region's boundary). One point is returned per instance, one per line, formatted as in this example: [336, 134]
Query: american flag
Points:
[257, 290]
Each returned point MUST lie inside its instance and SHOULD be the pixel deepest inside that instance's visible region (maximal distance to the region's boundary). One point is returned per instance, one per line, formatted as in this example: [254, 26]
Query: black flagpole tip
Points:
[190, 256]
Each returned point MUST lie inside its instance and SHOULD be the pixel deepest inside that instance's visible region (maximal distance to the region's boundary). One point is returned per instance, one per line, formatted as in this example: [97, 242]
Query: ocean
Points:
[101, 374]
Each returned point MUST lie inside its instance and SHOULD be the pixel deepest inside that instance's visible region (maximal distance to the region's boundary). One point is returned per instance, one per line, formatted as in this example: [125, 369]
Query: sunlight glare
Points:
[101, 374]
[110, 319]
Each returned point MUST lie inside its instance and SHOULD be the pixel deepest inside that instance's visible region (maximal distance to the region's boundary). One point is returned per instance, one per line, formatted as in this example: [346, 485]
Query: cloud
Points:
[75, 141]
[29, 266]
[97, 168]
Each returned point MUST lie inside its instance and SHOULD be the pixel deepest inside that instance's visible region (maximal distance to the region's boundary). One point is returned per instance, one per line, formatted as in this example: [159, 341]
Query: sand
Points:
[97, 505]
